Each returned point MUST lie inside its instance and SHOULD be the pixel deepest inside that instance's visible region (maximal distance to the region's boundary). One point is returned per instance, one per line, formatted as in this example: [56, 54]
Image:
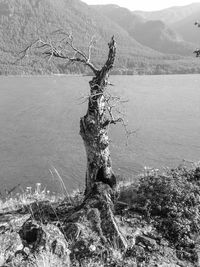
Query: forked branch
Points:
[62, 48]
[111, 58]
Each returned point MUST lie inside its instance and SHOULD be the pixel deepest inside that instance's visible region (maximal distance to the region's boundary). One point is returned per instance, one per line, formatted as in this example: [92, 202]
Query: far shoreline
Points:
[85, 75]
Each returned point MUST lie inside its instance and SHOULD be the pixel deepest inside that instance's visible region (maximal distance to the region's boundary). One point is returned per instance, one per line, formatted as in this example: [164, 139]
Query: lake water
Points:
[39, 127]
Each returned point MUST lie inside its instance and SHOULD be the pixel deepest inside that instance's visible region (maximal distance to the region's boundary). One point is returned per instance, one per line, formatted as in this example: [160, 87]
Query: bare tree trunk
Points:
[96, 211]
[94, 128]
[94, 125]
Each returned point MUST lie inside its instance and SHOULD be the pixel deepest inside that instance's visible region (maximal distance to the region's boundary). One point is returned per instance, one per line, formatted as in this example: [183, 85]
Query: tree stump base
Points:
[90, 229]
[93, 224]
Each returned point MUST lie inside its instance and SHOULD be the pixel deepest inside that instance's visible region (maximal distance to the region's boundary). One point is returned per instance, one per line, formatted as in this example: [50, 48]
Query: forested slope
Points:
[22, 21]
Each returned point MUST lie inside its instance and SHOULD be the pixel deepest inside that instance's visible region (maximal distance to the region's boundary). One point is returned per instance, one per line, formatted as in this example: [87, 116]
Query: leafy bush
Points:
[172, 202]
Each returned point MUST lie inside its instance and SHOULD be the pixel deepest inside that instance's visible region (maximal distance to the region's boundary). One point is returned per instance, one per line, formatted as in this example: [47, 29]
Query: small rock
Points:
[72, 230]
[136, 252]
[39, 238]
[32, 235]
[149, 243]
[10, 242]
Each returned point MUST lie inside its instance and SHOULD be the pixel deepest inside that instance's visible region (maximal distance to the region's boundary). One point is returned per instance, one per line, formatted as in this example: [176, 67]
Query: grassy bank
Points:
[159, 216]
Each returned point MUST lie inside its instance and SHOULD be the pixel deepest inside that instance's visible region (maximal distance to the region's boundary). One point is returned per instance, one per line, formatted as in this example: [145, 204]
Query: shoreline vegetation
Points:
[159, 214]
[141, 72]
[88, 75]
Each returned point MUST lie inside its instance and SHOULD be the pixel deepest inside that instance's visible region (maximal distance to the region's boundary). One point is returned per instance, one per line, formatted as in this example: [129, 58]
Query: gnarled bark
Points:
[100, 180]
[95, 216]
[94, 128]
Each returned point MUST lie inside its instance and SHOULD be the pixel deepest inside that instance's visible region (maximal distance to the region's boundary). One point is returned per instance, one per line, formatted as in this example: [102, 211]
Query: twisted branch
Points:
[51, 49]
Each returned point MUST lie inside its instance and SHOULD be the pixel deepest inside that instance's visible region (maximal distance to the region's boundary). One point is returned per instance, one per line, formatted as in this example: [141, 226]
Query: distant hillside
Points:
[154, 34]
[187, 30]
[122, 16]
[22, 21]
[157, 35]
[170, 15]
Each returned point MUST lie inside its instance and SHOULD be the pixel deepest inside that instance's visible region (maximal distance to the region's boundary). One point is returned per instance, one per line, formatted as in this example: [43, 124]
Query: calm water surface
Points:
[39, 126]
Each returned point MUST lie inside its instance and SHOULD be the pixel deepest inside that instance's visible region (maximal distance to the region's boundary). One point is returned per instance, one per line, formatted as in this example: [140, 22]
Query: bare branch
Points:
[111, 58]
[90, 46]
[69, 41]
[26, 50]
[88, 97]
[111, 104]
[58, 49]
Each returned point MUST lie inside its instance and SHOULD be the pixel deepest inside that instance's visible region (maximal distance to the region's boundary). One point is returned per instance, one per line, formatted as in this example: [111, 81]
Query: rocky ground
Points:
[157, 220]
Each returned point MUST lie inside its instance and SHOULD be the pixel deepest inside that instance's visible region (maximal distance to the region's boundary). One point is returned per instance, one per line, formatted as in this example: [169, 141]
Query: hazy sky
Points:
[142, 4]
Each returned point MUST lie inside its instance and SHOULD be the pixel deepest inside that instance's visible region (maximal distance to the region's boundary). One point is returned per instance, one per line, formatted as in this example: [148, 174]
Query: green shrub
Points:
[172, 202]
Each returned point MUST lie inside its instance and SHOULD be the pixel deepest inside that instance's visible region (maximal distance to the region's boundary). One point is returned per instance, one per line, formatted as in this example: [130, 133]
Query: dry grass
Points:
[48, 259]
[26, 197]
[39, 193]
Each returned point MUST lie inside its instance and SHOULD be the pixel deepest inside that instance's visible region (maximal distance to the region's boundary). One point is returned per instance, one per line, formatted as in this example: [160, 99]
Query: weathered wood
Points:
[96, 212]
[100, 180]
[94, 128]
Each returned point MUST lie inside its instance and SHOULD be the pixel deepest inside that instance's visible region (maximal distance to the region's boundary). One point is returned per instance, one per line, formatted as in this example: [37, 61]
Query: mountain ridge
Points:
[153, 33]
[21, 24]
[169, 15]
[187, 29]
[22, 21]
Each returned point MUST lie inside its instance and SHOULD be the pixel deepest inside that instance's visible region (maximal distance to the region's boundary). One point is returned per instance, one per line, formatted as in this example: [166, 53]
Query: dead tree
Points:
[94, 126]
